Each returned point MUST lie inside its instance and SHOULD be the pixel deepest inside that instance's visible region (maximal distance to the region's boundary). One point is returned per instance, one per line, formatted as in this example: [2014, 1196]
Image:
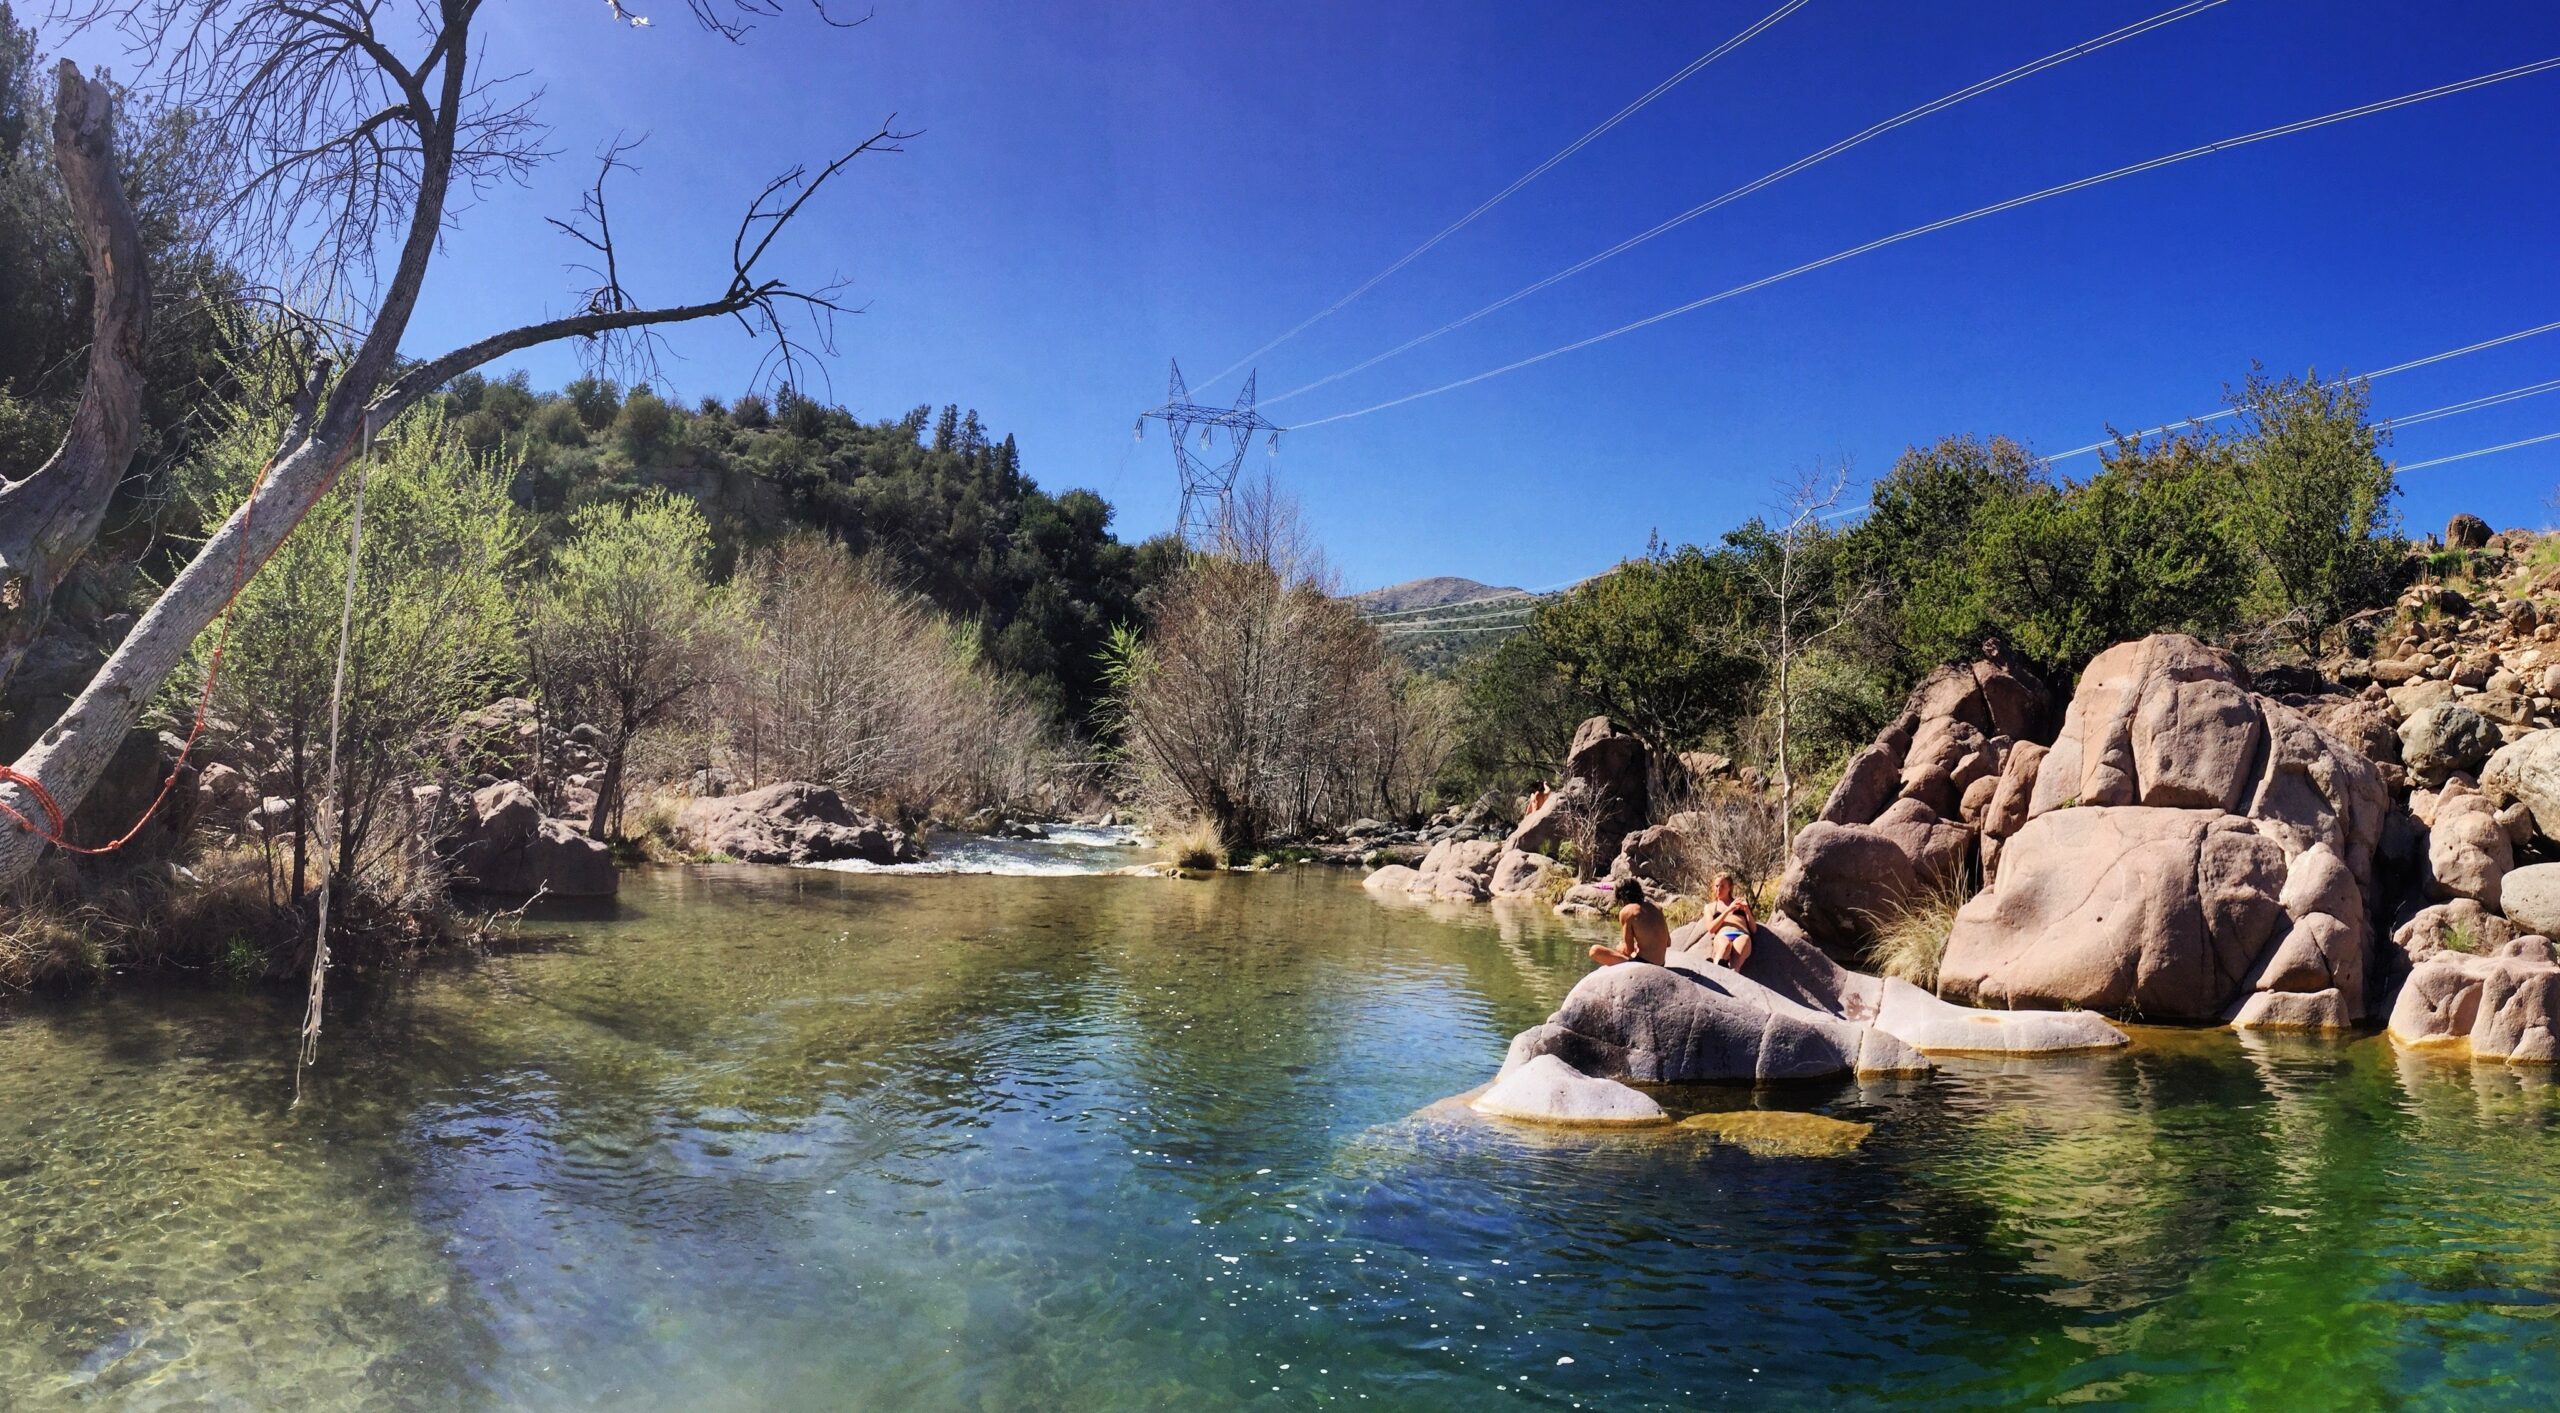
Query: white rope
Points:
[310, 1050]
[1903, 119]
[1996, 208]
[1659, 89]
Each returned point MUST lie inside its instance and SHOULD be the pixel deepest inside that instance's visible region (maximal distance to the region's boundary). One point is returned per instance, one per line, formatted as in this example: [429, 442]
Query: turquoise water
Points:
[792, 1139]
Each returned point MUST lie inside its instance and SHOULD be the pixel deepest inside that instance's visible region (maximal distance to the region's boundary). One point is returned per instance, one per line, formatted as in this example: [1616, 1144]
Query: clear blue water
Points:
[795, 1139]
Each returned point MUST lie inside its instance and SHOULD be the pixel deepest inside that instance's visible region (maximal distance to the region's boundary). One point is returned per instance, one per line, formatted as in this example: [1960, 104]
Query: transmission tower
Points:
[1207, 465]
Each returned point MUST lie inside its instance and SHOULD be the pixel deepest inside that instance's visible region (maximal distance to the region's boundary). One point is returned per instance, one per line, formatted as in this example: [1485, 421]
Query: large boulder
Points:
[1844, 881]
[2195, 800]
[2366, 723]
[1938, 848]
[1869, 783]
[1787, 962]
[2468, 851]
[2531, 899]
[1671, 1025]
[1609, 770]
[503, 739]
[1661, 853]
[2499, 1006]
[1458, 870]
[1547, 1090]
[2440, 740]
[503, 844]
[1607, 791]
[2461, 925]
[1519, 875]
[2163, 721]
[2130, 909]
[2527, 771]
[794, 822]
[2466, 531]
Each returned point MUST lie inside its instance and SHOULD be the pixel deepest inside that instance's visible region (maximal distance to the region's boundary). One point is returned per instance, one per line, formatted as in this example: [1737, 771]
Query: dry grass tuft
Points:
[1911, 944]
[66, 926]
[1191, 844]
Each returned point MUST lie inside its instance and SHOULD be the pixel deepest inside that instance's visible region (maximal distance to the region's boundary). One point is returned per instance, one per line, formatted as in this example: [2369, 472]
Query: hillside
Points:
[1437, 592]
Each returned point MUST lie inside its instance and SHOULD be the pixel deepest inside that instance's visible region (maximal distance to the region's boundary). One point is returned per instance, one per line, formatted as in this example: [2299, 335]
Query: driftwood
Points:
[48, 519]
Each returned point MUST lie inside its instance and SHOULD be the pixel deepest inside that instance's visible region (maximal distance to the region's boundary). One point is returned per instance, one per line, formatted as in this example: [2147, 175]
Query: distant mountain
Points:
[1440, 592]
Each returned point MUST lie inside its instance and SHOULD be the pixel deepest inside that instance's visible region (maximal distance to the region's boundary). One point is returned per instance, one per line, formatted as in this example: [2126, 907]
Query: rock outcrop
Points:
[503, 844]
[1790, 1013]
[1606, 795]
[1787, 962]
[2501, 1006]
[1904, 819]
[794, 822]
[2130, 909]
[1678, 1024]
[2192, 850]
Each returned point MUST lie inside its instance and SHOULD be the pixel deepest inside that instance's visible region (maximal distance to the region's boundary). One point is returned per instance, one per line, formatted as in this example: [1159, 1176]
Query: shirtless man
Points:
[1643, 934]
[1729, 925]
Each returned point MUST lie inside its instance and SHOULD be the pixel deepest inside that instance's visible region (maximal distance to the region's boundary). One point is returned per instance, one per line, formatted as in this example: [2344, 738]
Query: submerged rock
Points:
[1776, 1133]
[1545, 1089]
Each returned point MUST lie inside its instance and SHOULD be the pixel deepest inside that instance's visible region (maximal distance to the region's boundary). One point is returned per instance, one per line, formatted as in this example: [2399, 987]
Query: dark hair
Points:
[1629, 891]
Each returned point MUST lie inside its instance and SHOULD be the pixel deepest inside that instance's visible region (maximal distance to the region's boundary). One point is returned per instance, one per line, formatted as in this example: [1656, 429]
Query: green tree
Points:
[433, 633]
[1516, 711]
[628, 629]
[1662, 644]
[1919, 544]
[2312, 502]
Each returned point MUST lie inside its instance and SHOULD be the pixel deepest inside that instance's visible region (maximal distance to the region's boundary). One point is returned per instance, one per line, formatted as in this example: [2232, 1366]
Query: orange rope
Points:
[52, 830]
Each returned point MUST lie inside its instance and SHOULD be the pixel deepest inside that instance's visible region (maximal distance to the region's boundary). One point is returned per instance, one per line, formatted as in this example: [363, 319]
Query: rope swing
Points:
[310, 1049]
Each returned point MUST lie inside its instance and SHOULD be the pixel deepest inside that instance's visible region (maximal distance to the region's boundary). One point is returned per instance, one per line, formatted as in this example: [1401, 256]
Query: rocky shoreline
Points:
[2373, 843]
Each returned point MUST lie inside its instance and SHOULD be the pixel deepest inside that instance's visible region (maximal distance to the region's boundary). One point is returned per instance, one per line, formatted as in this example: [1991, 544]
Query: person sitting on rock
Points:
[1643, 933]
[1729, 925]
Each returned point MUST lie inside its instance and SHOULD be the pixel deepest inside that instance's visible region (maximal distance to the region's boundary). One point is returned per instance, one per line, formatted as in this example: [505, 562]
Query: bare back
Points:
[1643, 933]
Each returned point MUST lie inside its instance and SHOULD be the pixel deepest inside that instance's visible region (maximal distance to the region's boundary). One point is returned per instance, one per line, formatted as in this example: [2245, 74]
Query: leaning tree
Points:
[345, 132]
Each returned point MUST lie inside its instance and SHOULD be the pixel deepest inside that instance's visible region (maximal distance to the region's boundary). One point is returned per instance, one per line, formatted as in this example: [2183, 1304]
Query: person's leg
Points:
[1606, 956]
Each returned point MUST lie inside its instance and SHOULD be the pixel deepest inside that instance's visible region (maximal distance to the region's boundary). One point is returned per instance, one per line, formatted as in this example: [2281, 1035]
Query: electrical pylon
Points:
[1208, 474]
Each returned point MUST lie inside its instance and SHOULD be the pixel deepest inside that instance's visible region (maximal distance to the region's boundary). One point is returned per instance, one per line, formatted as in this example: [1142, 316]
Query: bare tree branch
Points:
[48, 519]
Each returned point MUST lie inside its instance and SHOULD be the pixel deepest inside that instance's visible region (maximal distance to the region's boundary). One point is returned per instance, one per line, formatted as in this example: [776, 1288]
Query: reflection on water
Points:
[799, 1139]
[1069, 850]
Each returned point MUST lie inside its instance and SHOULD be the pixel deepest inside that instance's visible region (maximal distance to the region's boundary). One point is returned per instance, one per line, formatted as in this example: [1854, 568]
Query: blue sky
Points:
[1098, 187]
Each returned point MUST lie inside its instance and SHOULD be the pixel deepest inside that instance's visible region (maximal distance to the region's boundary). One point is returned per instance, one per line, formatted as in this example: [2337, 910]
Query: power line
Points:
[1903, 119]
[1996, 208]
[2467, 455]
[1473, 604]
[2475, 404]
[1685, 73]
[2332, 385]
[1520, 614]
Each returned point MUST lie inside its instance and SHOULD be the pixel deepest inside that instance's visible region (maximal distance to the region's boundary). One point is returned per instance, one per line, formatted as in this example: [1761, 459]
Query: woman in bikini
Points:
[1729, 925]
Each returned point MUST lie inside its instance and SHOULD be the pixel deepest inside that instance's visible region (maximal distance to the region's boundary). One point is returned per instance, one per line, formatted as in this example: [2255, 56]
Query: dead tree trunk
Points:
[48, 519]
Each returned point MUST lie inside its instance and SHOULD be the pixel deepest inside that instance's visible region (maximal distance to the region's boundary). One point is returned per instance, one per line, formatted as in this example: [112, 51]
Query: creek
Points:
[773, 1138]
